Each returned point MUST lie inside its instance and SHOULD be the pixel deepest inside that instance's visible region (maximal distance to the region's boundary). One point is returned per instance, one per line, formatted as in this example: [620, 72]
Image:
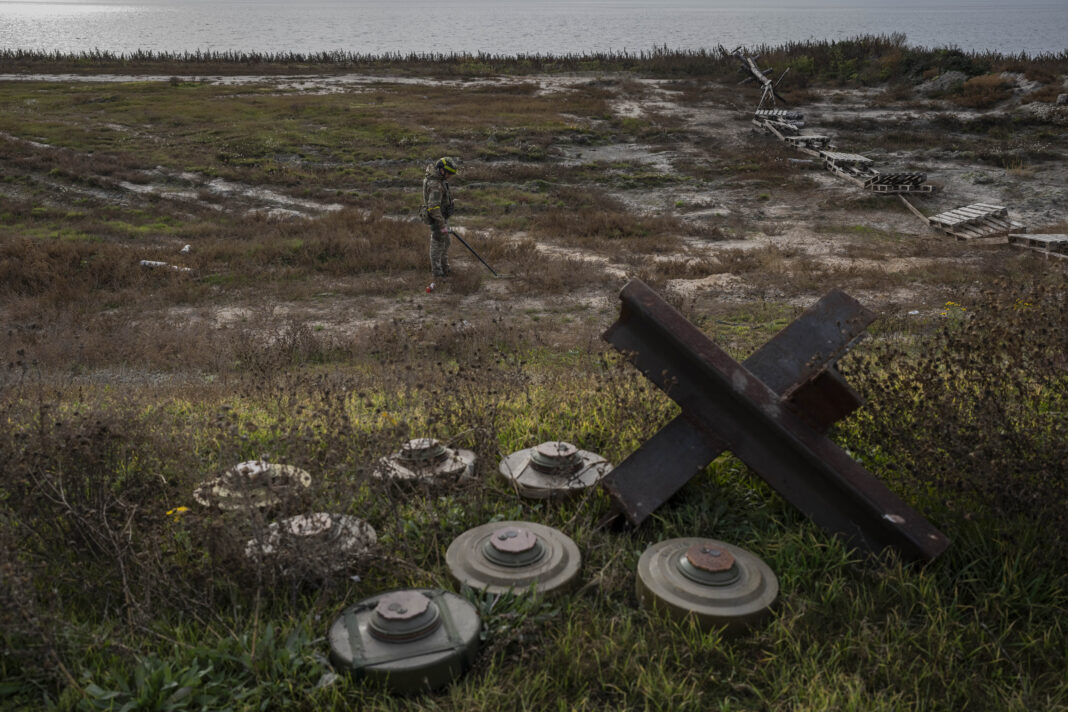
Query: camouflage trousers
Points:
[439, 252]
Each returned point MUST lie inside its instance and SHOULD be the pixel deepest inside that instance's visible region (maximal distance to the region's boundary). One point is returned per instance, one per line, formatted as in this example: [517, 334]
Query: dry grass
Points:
[984, 91]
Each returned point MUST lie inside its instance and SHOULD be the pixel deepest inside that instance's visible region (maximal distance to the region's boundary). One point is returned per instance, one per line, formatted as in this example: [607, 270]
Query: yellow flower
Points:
[177, 511]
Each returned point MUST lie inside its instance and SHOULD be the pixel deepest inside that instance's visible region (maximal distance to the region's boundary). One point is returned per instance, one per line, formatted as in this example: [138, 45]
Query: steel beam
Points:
[799, 359]
[727, 405]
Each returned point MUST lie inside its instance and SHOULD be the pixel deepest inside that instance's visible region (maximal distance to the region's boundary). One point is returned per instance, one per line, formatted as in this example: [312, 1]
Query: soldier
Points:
[437, 208]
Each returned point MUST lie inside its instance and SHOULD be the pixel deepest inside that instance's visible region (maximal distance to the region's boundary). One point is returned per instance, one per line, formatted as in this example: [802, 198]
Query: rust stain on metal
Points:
[737, 407]
[710, 559]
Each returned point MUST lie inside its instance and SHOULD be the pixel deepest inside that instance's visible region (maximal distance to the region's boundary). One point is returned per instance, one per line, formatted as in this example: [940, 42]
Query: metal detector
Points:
[464, 243]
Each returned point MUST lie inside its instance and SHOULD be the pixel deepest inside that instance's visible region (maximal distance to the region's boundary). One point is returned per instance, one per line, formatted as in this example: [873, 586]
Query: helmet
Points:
[449, 165]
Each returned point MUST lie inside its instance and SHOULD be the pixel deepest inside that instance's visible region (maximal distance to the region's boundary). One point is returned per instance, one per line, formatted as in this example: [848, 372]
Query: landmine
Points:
[426, 459]
[553, 468]
[715, 583]
[513, 557]
[409, 641]
[254, 483]
[326, 542]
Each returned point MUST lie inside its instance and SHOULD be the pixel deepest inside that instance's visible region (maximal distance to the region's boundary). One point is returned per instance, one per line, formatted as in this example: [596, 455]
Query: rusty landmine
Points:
[553, 468]
[254, 483]
[322, 543]
[426, 459]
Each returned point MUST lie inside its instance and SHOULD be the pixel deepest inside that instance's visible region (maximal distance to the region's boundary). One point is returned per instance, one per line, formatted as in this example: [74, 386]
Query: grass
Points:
[980, 625]
[311, 341]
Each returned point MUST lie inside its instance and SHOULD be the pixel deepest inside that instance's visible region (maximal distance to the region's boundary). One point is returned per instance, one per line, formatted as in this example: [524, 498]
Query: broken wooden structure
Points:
[976, 221]
[851, 166]
[898, 183]
[786, 126]
[771, 412]
[780, 123]
[768, 95]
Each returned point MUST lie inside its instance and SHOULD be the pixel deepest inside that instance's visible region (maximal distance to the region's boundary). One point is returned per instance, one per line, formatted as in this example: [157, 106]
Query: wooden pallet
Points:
[898, 183]
[851, 166]
[785, 115]
[844, 159]
[1054, 245]
[813, 142]
[978, 220]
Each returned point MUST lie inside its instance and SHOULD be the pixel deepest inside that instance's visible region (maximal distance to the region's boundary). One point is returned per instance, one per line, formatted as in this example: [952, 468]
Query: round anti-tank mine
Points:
[409, 641]
[502, 557]
[717, 584]
[321, 542]
[426, 459]
[553, 468]
[258, 484]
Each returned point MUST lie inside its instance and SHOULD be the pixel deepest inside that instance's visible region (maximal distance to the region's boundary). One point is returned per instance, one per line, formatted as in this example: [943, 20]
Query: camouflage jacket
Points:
[437, 201]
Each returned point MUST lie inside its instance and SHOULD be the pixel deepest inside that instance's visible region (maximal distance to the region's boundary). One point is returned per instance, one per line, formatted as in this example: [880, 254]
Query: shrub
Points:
[976, 415]
[984, 91]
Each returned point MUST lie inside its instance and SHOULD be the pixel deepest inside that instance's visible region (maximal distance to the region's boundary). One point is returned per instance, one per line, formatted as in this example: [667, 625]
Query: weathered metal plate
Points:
[502, 557]
[715, 583]
[824, 400]
[791, 360]
[811, 343]
[723, 397]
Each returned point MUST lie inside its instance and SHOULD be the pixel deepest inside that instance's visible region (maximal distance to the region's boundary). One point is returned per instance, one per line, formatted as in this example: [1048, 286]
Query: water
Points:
[521, 26]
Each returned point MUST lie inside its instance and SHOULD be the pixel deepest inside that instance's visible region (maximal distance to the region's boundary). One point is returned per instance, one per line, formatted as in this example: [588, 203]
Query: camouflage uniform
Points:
[437, 207]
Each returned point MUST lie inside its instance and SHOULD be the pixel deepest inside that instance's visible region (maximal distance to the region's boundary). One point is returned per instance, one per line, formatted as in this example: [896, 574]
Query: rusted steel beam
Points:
[722, 399]
[791, 361]
[658, 469]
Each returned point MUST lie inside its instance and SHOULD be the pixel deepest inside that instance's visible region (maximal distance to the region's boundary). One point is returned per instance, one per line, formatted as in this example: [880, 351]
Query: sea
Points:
[521, 27]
